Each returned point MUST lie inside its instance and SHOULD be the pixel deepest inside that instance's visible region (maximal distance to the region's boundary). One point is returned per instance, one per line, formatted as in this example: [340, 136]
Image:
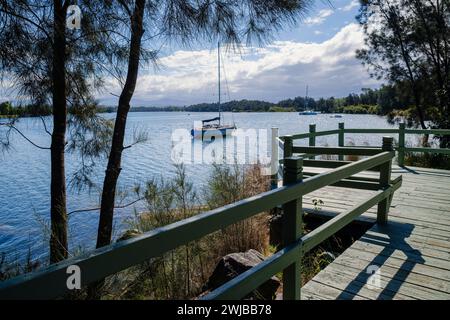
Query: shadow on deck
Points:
[371, 276]
[409, 258]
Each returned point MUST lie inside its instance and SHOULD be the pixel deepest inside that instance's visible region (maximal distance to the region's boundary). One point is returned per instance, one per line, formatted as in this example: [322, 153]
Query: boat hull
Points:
[212, 132]
[308, 113]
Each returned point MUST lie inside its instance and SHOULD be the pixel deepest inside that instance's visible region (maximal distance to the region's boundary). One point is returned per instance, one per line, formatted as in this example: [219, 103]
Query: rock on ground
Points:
[234, 264]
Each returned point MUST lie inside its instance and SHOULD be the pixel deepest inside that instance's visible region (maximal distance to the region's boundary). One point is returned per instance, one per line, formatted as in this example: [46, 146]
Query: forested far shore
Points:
[31, 110]
[380, 101]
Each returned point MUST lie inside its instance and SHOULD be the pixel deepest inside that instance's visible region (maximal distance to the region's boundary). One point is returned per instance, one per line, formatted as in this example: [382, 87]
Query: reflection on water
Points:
[25, 175]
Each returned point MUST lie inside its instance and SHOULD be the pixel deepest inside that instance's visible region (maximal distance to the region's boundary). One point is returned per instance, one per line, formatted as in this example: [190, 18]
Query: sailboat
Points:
[214, 126]
[307, 112]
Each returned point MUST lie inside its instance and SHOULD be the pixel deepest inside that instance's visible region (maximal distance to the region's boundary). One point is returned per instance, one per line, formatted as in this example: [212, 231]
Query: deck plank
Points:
[412, 251]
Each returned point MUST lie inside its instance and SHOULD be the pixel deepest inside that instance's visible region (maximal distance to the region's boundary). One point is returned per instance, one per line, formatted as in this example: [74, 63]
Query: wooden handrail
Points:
[51, 282]
[401, 131]
[338, 151]
[253, 278]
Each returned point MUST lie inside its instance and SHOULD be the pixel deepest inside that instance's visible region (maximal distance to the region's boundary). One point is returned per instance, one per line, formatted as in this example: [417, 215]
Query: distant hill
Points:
[370, 101]
[373, 101]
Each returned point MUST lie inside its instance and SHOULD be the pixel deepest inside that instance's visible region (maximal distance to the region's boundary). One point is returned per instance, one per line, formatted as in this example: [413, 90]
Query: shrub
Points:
[182, 273]
[15, 267]
[360, 109]
[426, 160]
[229, 184]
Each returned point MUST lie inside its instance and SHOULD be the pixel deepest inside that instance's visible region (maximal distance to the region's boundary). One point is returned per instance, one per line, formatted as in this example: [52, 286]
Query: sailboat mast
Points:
[306, 98]
[218, 63]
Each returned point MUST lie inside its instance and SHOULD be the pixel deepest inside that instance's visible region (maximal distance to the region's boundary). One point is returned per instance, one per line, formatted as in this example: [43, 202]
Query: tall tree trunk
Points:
[115, 156]
[58, 238]
[418, 106]
[421, 116]
[391, 17]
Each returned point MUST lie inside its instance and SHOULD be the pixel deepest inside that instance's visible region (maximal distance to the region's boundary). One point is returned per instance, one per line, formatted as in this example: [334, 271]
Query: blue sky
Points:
[324, 20]
[318, 52]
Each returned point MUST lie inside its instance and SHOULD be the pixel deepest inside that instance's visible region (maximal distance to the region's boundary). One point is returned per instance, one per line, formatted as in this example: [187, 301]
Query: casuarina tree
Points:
[407, 43]
[49, 62]
[150, 23]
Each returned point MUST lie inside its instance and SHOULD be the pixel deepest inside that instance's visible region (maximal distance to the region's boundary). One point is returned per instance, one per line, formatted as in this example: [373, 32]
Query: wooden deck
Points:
[412, 251]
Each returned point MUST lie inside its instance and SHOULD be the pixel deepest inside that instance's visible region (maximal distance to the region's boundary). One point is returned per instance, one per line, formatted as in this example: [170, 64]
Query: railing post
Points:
[292, 225]
[385, 179]
[312, 137]
[287, 149]
[401, 145]
[341, 138]
[274, 160]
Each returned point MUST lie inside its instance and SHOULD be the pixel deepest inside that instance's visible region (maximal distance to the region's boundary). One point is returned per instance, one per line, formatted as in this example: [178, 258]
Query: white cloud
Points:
[319, 18]
[7, 90]
[350, 6]
[318, 32]
[278, 71]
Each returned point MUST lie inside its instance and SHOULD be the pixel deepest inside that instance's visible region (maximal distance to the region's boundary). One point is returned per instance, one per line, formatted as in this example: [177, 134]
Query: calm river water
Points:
[25, 175]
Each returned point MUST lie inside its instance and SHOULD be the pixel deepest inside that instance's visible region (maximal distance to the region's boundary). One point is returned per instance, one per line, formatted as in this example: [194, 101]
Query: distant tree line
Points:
[235, 106]
[407, 45]
[385, 100]
[31, 110]
[382, 101]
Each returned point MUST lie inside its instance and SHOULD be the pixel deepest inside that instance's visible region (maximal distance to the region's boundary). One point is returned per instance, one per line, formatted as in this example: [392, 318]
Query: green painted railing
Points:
[401, 132]
[98, 264]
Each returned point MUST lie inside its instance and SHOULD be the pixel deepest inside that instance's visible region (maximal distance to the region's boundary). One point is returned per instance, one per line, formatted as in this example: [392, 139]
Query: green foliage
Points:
[426, 160]
[31, 110]
[229, 184]
[27, 51]
[6, 108]
[280, 109]
[382, 101]
[90, 136]
[359, 109]
[11, 269]
[369, 101]
[317, 203]
[407, 44]
[299, 103]
[182, 273]
[179, 273]
[235, 106]
[315, 261]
